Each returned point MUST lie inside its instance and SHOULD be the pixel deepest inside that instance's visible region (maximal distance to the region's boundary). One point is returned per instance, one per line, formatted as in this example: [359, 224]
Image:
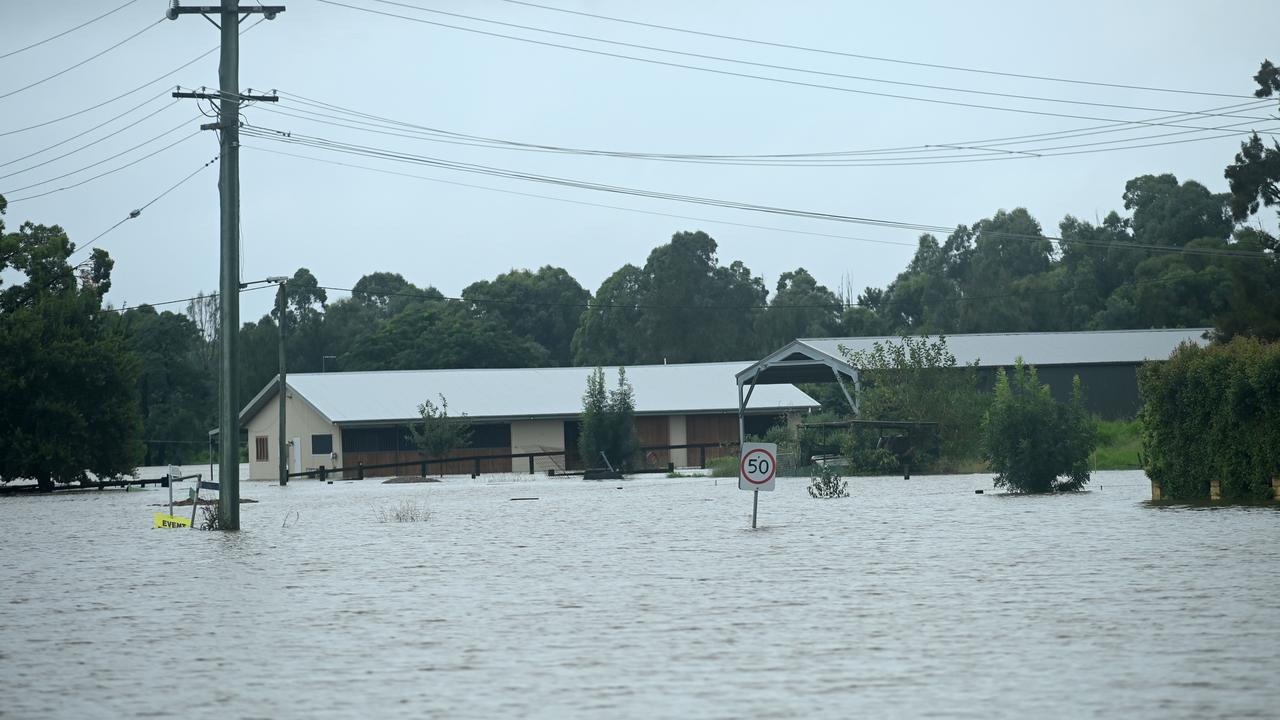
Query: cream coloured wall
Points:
[301, 421]
[677, 435]
[529, 436]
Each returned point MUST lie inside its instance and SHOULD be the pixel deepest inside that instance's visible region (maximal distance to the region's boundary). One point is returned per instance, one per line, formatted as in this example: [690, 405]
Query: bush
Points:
[826, 484]
[608, 423]
[1031, 440]
[726, 466]
[406, 511]
[1213, 413]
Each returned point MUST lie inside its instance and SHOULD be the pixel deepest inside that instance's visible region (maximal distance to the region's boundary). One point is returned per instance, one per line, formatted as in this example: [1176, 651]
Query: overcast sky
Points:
[343, 222]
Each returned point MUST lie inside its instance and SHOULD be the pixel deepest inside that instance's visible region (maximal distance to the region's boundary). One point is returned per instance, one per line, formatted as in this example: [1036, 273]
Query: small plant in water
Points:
[406, 511]
[827, 484]
[212, 521]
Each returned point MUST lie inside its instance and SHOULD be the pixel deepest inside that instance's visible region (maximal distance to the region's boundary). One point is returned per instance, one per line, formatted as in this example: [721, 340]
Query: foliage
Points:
[67, 379]
[608, 422]
[1119, 445]
[826, 484]
[867, 455]
[403, 512]
[918, 379]
[641, 315]
[176, 391]
[1213, 413]
[1032, 441]
[724, 466]
[438, 433]
[800, 308]
[542, 306]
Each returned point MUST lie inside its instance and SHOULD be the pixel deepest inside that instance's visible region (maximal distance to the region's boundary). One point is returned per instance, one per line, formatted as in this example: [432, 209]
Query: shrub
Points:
[918, 378]
[406, 511]
[1213, 413]
[608, 422]
[726, 466]
[1034, 443]
[826, 484]
[438, 433]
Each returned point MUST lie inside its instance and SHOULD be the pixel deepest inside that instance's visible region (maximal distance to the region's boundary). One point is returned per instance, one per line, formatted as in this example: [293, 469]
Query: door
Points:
[297, 456]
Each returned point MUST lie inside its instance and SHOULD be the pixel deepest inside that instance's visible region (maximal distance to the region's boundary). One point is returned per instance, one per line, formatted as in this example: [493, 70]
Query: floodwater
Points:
[909, 599]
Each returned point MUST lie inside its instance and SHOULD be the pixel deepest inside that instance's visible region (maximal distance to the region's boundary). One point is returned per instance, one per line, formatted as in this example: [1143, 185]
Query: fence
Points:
[357, 471]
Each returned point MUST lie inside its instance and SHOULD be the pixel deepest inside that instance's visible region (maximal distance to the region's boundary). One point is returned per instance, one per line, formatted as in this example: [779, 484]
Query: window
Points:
[321, 444]
[260, 443]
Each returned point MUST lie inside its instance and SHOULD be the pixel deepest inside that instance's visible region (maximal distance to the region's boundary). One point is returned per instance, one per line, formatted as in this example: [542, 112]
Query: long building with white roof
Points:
[340, 419]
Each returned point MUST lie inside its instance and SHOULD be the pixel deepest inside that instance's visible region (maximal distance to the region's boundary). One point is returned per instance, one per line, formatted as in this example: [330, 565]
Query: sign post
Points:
[756, 471]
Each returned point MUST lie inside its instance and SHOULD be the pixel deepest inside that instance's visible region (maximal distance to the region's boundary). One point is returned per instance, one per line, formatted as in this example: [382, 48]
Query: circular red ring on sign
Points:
[773, 466]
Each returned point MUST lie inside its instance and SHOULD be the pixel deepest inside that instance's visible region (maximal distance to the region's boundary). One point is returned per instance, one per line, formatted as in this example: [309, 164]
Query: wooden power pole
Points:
[229, 99]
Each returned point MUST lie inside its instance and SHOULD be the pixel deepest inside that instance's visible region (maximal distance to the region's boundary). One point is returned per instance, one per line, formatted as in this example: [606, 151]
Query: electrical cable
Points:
[82, 133]
[771, 66]
[77, 171]
[127, 93]
[810, 160]
[936, 66]
[729, 73]
[90, 144]
[135, 213]
[992, 142]
[129, 164]
[67, 32]
[365, 151]
[179, 300]
[82, 62]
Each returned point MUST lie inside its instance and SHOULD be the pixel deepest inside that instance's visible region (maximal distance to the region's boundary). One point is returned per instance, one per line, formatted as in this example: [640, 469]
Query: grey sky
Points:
[343, 223]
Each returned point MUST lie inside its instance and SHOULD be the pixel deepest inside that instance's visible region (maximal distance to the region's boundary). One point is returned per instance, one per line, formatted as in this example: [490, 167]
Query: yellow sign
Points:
[171, 521]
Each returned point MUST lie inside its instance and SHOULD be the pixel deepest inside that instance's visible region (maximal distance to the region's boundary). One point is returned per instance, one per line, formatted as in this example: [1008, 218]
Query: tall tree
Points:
[800, 308]
[67, 380]
[442, 335]
[176, 394]
[543, 306]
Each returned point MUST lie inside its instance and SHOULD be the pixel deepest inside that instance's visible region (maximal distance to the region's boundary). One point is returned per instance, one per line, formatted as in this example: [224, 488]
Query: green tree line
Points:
[1001, 273]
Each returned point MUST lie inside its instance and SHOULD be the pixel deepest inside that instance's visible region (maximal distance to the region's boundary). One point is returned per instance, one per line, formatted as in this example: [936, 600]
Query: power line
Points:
[772, 66]
[125, 94]
[382, 122]
[82, 62]
[135, 213]
[365, 151]
[730, 73]
[90, 144]
[827, 159]
[82, 133]
[936, 66]
[179, 300]
[129, 164]
[576, 202]
[77, 171]
[68, 31]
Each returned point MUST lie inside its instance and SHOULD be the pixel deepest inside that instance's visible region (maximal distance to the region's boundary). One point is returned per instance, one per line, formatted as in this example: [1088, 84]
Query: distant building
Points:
[1106, 361]
[341, 419]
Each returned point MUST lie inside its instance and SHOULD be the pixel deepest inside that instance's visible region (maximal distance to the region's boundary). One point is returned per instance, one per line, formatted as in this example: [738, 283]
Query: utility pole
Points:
[228, 127]
[280, 310]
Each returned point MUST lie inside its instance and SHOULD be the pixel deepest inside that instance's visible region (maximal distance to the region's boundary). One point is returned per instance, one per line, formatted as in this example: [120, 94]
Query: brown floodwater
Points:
[909, 599]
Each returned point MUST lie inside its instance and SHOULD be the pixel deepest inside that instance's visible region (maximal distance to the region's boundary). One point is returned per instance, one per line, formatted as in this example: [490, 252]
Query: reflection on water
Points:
[911, 598]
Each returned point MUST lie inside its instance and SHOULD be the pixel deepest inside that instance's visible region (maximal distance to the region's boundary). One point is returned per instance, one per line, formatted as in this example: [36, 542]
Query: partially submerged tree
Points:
[608, 423]
[437, 433]
[918, 379]
[1034, 443]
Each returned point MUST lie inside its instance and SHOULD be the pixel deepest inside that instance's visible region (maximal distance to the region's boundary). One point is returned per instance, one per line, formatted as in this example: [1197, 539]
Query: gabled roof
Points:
[523, 393]
[815, 359]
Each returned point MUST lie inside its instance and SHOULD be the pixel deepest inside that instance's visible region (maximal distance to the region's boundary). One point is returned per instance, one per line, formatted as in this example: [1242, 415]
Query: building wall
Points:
[1110, 391]
[301, 422]
[528, 436]
[676, 432]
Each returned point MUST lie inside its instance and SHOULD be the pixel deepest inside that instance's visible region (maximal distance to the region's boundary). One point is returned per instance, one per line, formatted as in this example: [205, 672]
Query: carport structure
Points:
[1106, 361]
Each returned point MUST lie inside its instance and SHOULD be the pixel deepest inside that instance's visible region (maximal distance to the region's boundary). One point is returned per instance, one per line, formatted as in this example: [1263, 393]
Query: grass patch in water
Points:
[1119, 445]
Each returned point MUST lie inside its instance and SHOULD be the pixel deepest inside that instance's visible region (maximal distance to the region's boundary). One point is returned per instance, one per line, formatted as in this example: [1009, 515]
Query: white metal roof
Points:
[380, 396]
[1049, 348]
[814, 359]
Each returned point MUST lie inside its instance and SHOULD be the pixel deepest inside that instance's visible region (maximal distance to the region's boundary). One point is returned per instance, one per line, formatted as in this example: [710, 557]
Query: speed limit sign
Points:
[758, 466]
